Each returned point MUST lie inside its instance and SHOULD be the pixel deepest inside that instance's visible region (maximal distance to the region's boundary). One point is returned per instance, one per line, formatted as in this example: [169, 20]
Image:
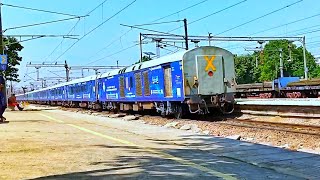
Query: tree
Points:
[271, 58]
[246, 70]
[269, 63]
[12, 48]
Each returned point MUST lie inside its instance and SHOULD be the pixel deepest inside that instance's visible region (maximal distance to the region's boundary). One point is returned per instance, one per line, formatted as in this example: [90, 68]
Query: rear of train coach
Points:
[209, 79]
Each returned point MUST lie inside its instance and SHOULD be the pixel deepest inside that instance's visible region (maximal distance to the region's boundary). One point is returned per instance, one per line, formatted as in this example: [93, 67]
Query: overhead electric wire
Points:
[110, 18]
[172, 52]
[77, 24]
[38, 24]
[74, 28]
[237, 45]
[302, 29]
[184, 9]
[260, 17]
[62, 40]
[40, 10]
[292, 22]
[181, 10]
[111, 43]
[151, 30]
[148, 24]
[308, 32]
[216, 12]
[176, 28]
[122, 50]
[97, 27]
[55, 74]
[96, 7]
[297, 34]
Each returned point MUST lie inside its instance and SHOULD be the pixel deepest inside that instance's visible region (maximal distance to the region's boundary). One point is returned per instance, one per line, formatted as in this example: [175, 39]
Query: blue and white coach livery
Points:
[193, 81]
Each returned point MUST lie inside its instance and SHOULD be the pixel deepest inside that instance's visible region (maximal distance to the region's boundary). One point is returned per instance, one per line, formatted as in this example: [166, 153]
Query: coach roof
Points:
[155, 62]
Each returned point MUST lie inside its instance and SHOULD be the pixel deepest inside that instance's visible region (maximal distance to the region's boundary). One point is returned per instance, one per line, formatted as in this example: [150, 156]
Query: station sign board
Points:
[3, 62]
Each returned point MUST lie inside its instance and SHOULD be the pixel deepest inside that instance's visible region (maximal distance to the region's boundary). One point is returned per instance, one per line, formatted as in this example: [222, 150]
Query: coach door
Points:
[121, 85]
[167, 81]
[210, 74]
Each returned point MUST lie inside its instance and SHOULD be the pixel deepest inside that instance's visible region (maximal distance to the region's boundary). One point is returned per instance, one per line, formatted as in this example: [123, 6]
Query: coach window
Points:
[82, 88]
[131, 82]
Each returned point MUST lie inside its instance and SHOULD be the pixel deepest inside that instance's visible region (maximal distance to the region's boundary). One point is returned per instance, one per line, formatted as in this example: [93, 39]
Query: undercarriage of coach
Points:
[205, 104]
[197, 105]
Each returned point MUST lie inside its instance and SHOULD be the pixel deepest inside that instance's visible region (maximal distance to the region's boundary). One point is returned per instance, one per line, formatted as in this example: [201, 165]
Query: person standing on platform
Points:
[3, 103]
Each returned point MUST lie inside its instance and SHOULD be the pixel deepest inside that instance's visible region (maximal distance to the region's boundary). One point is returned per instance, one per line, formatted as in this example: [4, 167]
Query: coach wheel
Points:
[226, 107]
[98, 107]
[179, 112]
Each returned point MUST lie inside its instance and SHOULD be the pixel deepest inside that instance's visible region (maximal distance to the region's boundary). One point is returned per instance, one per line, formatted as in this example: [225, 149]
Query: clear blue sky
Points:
[146, 11]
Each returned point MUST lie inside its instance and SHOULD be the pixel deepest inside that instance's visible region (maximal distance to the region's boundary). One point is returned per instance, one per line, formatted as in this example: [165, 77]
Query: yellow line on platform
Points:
[163, 154]
[51, 118]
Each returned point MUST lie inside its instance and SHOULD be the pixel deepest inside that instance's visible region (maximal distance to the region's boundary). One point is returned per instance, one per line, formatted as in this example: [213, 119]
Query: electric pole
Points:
[281, 63]
[158, 46]
[38, 73]
[304, 58]
[140, 41]
[210, 38]
[186, 33]
[67, 71]
[4, 89]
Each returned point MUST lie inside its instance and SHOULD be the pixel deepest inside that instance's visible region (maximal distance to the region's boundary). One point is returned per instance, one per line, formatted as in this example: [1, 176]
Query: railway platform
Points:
[284, 107]
[56, 144]
[280, 102]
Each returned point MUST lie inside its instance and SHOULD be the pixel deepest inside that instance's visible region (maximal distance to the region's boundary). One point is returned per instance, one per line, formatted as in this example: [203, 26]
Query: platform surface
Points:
[280, 102]
[55, 144]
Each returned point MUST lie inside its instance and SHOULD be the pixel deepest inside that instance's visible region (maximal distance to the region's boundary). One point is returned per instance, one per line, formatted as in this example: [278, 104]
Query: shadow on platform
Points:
[197, 157]
[5, 122]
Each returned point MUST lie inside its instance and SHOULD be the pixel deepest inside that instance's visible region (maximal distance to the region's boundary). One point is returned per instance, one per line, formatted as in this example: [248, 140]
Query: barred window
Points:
[146, 83]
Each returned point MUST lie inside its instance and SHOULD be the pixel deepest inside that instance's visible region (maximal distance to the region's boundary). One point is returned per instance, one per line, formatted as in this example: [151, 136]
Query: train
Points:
[284, 87]
[198, 81]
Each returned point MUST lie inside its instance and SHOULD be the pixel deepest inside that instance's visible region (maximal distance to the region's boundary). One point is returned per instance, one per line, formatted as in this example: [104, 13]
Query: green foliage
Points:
[269, 62]
[246, 70]
[12, 49]
[144, 59]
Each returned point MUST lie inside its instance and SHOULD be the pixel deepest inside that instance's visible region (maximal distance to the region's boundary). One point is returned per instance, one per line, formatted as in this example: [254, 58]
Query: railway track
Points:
[247, 123]
[276, 126]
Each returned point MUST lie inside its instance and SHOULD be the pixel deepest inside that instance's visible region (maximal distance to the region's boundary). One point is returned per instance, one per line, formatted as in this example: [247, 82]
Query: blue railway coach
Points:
[193, 81]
